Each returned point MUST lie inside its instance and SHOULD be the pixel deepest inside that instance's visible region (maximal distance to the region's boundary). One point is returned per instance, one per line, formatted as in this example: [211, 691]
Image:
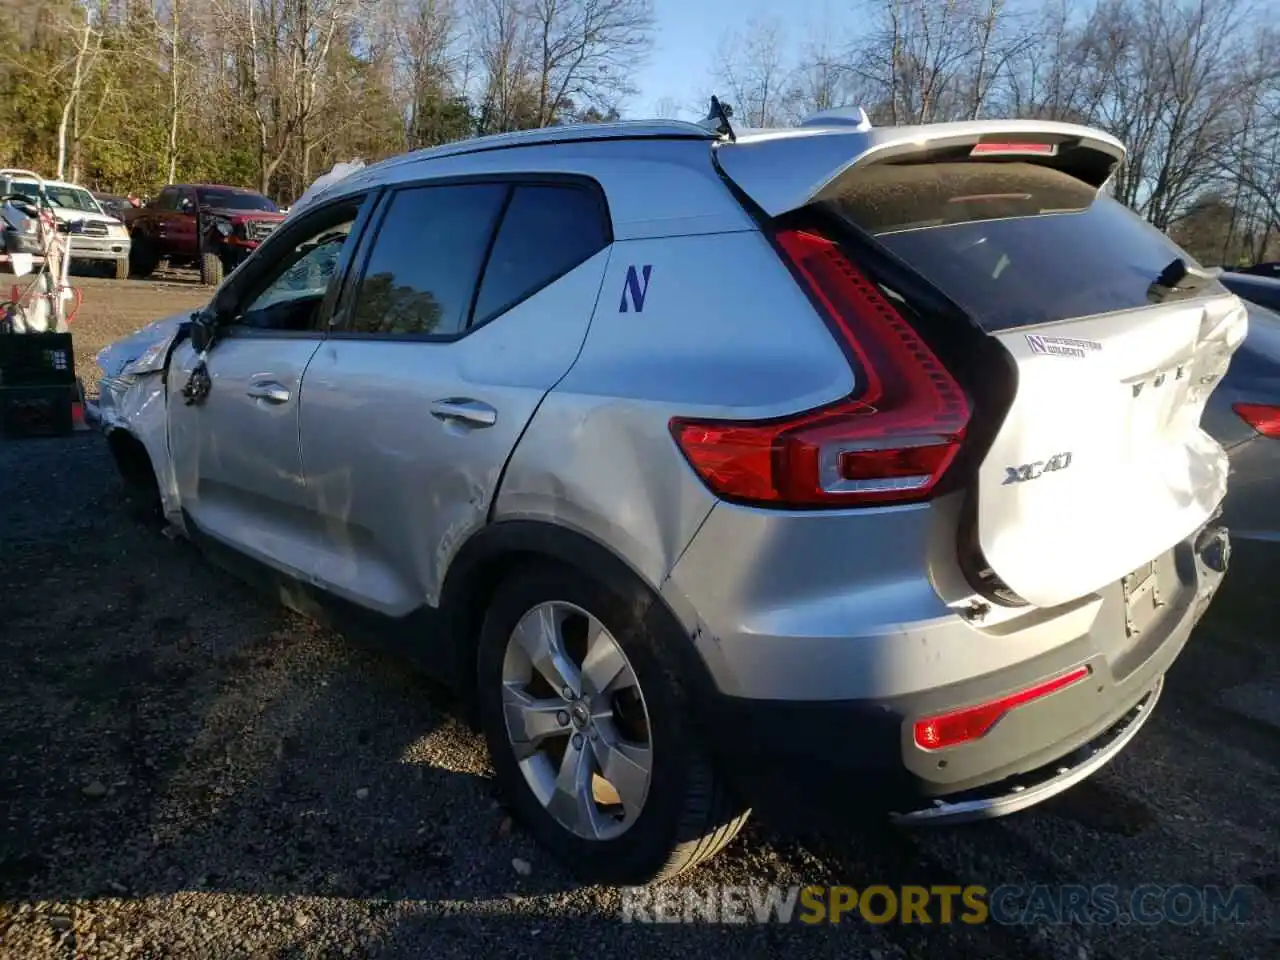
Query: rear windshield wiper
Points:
[1179, 279]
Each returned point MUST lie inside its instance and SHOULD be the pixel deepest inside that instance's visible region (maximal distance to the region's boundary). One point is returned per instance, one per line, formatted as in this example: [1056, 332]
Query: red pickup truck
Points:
[234, 222]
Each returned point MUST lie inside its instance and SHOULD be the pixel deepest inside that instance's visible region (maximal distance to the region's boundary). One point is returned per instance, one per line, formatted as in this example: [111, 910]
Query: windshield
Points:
[236, 200]
[72, 198]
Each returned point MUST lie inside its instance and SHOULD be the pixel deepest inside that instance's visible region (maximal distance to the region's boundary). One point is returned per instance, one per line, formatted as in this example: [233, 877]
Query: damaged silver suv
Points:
[836, 463]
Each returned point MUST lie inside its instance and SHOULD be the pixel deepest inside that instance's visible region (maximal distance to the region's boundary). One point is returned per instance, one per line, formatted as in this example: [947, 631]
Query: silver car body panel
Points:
[236, 458]
[393, 491]
[131, 398]
[599, 456]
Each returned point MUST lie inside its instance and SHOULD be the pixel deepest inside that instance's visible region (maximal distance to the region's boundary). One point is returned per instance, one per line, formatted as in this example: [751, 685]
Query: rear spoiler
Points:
[783, 170]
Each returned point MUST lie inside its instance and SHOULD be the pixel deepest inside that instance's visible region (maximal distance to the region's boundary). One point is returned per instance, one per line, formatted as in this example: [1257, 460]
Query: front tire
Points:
[586, 722]
[143, 259]
[210, 269]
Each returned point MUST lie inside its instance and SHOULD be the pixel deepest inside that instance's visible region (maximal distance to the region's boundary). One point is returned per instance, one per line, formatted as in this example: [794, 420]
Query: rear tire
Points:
[683, 815]
[210, 269]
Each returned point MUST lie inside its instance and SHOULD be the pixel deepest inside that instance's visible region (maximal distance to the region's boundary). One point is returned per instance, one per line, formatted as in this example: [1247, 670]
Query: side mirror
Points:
[203, 333]
[185, 205]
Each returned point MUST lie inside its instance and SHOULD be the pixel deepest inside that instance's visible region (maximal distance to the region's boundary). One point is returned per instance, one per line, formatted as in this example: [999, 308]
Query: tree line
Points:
[129, 94]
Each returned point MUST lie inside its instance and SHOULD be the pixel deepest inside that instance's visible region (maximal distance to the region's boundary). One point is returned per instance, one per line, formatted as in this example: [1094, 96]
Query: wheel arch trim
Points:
[501, 545]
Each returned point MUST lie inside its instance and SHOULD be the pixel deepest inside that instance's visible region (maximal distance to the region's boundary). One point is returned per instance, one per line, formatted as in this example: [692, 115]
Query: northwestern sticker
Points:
[1062, 346]
[634, 289]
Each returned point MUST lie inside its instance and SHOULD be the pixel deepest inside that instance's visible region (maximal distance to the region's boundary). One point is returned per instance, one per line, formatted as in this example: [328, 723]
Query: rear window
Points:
[1012, 243]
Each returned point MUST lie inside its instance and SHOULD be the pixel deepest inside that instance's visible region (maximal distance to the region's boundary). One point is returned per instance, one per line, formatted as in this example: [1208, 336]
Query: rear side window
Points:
[426, 259]
[546, 232]
[1012, 243]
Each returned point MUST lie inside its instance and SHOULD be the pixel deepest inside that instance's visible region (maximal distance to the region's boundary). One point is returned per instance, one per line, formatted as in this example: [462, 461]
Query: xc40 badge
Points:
[1030, 471]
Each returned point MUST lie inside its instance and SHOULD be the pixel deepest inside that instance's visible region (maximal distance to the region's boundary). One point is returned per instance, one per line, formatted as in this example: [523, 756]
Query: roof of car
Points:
[568, 133]
[53, 183]
[216, 186]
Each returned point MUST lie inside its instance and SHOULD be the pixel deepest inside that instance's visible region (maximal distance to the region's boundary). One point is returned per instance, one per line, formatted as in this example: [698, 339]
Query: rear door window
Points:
[1014, 244]
[548, 230]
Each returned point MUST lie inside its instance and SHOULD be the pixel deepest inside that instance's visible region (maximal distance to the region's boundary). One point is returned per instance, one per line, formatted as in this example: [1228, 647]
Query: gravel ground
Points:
[187, 770]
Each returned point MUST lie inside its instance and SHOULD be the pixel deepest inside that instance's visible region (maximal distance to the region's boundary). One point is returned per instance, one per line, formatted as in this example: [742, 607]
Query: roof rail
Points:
[839, 117]
[568, 133]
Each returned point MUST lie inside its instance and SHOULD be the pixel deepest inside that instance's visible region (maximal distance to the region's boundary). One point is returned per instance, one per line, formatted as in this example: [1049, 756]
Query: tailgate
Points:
[1099, 464]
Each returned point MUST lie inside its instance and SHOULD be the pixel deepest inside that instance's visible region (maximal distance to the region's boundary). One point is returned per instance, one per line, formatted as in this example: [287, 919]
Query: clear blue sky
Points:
[688, 37]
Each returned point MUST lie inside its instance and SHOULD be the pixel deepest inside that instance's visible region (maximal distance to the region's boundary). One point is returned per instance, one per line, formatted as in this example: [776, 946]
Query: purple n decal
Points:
[635, 289]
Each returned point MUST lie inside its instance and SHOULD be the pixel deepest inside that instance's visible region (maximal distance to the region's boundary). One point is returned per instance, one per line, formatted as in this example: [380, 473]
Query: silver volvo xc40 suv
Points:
[721, 472]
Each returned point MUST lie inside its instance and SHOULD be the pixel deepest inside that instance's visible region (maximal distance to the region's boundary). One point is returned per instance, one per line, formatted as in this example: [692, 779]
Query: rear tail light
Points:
[1262, 417]
[973, 723]
[890, 442]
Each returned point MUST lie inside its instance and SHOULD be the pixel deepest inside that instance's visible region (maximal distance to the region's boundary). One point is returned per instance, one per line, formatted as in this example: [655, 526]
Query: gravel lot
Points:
[186, 771]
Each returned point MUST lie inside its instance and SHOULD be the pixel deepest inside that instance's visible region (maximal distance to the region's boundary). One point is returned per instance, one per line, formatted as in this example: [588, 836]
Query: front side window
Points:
[425, 262]
[291, 293]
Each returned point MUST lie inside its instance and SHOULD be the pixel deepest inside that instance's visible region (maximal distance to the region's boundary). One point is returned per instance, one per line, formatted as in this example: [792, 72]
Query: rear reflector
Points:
[972, 723]
[1262, 417]
[890, 442]
[1014, 150]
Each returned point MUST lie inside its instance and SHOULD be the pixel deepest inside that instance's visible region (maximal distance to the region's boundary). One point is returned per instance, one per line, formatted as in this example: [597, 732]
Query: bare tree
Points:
[175, 90]
[668, 108]
[88, 44]
[503, 46]
[284, 47]
[586, 52]
[752, 69]
[426, 40]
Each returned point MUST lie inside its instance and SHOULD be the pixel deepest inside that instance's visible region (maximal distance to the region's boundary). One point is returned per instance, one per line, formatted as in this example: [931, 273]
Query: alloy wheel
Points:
[576, 720]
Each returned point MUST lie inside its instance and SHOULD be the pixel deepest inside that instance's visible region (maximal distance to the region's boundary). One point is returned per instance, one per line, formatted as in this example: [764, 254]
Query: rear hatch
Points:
[1099, 464]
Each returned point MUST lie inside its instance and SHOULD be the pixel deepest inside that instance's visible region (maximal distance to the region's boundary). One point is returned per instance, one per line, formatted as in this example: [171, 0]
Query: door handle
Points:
[269, 391]
[465, 410]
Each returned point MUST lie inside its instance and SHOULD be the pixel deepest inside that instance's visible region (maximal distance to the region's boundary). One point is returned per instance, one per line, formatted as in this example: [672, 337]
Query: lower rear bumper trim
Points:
[1027, 790]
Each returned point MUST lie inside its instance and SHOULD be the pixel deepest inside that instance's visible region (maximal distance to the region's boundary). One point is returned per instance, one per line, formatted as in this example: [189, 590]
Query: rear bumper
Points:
[862, 754]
